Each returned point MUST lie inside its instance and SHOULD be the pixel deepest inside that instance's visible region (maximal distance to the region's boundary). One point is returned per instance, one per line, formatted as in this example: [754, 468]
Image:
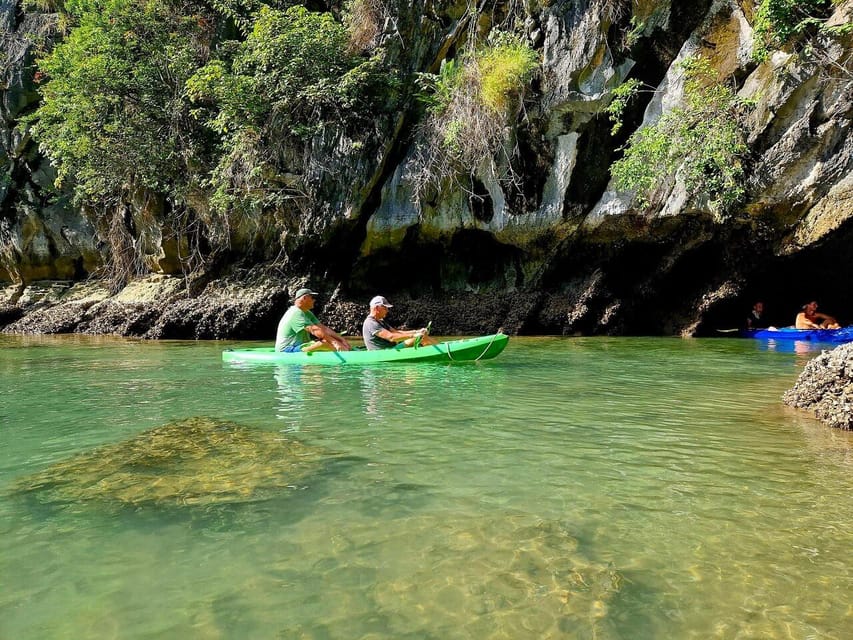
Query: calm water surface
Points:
[571, 488]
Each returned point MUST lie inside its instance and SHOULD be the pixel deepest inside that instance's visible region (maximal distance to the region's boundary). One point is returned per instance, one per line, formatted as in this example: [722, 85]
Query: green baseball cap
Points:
[303, 292]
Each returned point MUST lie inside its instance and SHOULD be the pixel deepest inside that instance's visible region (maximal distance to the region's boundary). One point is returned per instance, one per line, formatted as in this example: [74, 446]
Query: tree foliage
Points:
[289, 68]
[701, 141]
[291, 76]
[113, 118]
[168, 96]
[778, 22]
[621, 96]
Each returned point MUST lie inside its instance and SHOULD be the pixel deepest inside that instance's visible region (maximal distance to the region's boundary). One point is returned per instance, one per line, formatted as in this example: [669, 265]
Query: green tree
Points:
[113, 117]
[291, 76]
[115, 123]
[702, 141]
[192, 103]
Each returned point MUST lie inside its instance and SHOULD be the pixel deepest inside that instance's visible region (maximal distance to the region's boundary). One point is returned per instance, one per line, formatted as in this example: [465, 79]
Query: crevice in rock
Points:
[480, 201]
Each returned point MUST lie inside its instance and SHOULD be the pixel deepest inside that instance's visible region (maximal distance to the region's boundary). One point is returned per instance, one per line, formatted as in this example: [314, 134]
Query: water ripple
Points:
[609, 488]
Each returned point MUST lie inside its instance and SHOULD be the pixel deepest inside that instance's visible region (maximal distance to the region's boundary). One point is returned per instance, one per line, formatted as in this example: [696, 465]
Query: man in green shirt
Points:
[298, 324]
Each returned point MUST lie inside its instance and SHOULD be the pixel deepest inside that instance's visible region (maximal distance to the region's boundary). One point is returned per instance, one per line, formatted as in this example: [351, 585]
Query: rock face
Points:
[42, 235]
[559, 249]
[249, 307]
[825, 387]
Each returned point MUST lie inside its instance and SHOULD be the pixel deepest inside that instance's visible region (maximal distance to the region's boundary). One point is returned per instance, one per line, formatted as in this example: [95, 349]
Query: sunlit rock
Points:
[825, 387]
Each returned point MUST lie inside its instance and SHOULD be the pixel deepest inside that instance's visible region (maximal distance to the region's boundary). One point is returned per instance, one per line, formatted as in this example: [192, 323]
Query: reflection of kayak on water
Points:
[469, 349]
[845, 334]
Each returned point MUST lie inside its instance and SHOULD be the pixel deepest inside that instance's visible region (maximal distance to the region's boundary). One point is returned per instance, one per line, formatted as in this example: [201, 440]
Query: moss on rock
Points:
[197, 461]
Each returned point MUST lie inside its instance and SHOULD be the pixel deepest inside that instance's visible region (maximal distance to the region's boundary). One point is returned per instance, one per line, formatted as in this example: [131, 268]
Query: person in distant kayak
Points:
[755, 319]
[378, 334]
[809, 318]
[299, 324]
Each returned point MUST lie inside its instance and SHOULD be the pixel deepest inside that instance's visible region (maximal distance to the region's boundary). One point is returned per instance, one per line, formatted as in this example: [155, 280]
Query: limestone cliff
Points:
[556, 249]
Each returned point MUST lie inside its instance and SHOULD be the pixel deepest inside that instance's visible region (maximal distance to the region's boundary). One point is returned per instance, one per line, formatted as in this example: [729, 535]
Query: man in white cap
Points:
[378, 334]
[298, 324]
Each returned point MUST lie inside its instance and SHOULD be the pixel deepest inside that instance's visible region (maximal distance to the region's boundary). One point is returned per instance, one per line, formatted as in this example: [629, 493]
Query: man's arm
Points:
[324, 333]
[804, 323]
[395, 335]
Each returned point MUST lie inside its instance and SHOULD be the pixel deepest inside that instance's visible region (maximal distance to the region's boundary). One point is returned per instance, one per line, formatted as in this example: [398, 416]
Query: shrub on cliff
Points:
[113, 118]
[701, 142]
[114, 121]
[200, 106]
[470, 107]
[364, 20]
[778, 22]
[270, 94]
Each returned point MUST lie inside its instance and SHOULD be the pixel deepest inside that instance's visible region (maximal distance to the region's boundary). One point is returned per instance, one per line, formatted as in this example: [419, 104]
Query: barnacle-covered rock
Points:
[825, 387]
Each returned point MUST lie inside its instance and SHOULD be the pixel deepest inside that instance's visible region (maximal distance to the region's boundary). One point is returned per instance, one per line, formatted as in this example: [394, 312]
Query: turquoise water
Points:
[571, 488]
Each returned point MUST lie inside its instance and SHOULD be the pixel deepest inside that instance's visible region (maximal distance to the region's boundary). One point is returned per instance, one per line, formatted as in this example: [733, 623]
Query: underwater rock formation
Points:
[524, 576]
[194, 462]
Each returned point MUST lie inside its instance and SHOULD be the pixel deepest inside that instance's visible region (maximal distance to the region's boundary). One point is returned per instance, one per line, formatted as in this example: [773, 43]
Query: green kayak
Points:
[469, 349]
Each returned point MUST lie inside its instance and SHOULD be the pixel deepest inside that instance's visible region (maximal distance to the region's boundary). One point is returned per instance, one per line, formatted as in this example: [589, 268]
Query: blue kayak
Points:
[845, 334]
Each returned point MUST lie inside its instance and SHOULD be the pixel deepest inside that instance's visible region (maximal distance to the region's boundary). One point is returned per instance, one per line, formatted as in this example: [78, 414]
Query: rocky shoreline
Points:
[249, 306]
[155, 307]
[825, 388]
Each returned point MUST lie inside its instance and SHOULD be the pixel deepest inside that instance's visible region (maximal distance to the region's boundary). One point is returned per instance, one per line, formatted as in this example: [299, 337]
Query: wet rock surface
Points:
[253, 312]
[825, 387]
[155, 307]
[9, 313]
[225, 309]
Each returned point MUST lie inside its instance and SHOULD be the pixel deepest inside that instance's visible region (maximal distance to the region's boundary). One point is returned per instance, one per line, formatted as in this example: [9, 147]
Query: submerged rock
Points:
[525, 576]
[197, 461]
[825, 387]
